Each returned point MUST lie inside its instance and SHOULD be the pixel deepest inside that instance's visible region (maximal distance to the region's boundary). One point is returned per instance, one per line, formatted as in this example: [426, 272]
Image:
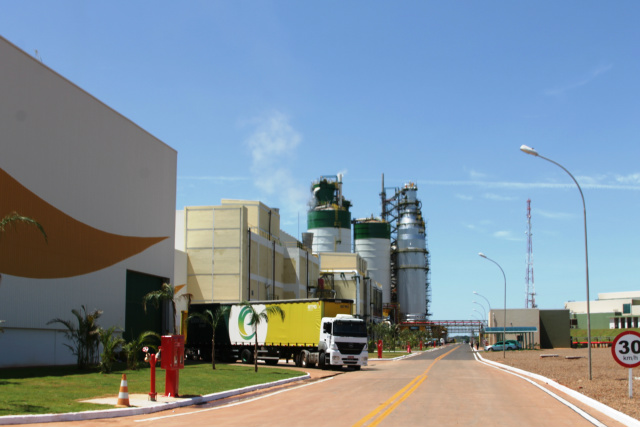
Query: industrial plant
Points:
[393, 246]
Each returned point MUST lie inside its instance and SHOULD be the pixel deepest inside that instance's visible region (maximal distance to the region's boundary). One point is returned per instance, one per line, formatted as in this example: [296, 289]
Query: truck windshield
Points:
[342, 328]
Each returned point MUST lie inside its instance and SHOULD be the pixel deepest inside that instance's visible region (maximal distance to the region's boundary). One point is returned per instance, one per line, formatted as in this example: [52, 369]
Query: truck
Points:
[314, 332]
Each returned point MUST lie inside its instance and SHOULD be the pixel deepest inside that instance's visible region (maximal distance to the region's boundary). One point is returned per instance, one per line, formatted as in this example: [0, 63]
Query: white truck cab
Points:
[343, 342]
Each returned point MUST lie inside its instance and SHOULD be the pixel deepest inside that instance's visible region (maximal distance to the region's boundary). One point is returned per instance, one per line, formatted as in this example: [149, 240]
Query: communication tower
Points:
[530, 289]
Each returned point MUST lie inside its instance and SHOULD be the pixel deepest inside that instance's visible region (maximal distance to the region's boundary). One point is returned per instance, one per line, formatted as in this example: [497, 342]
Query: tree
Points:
[133, 348]
[85, 336]
[164, 294]
[110, 344]
[255, 319]
[212, 320]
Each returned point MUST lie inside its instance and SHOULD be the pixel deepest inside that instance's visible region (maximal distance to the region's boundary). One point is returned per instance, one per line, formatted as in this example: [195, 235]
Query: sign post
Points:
[626, 351]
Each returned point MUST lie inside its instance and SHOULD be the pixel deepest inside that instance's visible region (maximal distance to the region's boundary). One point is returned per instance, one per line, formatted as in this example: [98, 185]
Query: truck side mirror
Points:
[326, 328]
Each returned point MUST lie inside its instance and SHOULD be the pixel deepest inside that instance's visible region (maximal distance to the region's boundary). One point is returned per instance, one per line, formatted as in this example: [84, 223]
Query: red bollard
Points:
[151, 358]
[420, 345]
[379, 349]
[408, 347]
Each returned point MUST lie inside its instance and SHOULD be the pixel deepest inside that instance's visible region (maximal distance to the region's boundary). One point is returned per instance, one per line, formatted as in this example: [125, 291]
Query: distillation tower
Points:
[329, 218]
[409, 258]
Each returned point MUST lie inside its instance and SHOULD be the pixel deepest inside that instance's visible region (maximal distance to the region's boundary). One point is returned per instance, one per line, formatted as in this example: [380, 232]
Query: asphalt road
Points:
[446, 387]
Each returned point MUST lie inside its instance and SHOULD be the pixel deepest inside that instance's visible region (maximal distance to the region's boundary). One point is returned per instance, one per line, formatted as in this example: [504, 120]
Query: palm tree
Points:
[212, 320]
[255, 319]
[110, 344]
[133, 348]
[85, 336]
[164, 294]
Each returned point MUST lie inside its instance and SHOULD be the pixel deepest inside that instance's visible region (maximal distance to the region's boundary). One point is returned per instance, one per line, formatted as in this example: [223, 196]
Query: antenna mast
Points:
[530, 289]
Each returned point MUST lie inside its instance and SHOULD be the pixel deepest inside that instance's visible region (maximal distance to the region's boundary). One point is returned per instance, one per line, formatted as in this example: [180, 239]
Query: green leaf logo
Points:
[241, 319]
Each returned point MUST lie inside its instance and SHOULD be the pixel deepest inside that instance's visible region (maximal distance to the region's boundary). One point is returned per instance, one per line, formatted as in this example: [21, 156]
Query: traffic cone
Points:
[123, 396]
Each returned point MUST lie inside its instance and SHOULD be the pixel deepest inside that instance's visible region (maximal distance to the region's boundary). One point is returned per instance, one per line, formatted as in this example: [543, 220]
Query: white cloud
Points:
[506, 235]
[498, 198]
[633, 178]
[477, 175]
[463, 197]
[273, 139]
[592, 75]
[585, 183]
[552, 215]
[273, 145]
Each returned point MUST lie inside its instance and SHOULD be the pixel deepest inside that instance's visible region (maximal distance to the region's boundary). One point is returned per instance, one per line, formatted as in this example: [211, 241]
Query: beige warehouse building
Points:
[236, 251]
[104, 191]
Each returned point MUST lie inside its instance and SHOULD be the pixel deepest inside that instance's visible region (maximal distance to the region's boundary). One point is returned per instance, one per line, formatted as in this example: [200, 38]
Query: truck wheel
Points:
[321, 364]
[246, 356]
[298, 359]
[304, 358]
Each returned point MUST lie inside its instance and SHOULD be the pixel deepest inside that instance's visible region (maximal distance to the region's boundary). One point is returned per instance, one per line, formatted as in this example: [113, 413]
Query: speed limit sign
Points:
[626, 349]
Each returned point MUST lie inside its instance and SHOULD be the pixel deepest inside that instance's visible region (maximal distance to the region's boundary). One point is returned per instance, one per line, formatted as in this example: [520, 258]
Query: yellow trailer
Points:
[313, 332]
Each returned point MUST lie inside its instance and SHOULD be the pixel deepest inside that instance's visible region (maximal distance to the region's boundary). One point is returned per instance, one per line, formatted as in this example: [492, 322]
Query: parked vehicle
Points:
[510, 345]
[314, 332]
[516, 343]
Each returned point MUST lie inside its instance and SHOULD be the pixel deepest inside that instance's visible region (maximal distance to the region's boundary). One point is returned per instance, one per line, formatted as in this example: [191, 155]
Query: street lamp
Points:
[533, 152]
[483, 310]
[477, 311]
[485, 298]
[504, 326]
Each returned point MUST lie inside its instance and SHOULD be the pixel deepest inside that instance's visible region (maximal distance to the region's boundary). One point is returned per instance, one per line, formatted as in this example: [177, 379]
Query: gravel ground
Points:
[610, 383]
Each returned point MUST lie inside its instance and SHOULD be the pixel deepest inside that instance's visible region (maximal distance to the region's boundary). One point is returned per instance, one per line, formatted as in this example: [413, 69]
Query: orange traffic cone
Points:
[123, 396]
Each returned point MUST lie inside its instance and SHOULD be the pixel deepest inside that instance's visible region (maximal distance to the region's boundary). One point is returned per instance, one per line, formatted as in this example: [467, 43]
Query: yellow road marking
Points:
[391, 403]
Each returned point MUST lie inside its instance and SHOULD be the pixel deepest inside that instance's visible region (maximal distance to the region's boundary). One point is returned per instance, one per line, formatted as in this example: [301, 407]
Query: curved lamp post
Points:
[483, 310]
[485, 298]
[533, 152]
[478, 311]
[504, 326]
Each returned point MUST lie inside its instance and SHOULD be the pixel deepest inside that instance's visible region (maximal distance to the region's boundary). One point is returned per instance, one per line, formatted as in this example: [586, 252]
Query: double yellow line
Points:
[382, 411]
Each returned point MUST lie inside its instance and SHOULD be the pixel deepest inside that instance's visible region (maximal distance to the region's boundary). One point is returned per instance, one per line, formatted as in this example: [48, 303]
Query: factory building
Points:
[236, 251]
[346, 276]
[531, 327]
[103, 190]
[612, 310]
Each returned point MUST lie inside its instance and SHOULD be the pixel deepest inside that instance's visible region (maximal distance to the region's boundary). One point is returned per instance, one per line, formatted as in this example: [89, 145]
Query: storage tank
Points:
[412, 252]
[329, 218]
[372, 239]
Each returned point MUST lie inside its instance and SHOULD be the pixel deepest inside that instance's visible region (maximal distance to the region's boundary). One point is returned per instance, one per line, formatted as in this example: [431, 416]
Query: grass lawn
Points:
[51, 390]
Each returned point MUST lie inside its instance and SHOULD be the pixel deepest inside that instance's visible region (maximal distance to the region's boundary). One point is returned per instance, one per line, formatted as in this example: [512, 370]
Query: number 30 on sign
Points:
[626, 349]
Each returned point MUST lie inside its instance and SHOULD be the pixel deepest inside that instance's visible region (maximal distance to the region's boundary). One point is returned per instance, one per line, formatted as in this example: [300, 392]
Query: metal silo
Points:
[411, 256]
[329, 218]
[373, 243]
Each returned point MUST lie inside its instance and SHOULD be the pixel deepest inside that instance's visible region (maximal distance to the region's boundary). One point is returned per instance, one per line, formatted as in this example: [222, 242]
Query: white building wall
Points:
[95, 166]
[599, 306]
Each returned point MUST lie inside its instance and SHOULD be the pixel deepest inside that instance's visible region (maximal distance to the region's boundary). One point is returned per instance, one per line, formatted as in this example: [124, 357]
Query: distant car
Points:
[510, 345]
[516, 343]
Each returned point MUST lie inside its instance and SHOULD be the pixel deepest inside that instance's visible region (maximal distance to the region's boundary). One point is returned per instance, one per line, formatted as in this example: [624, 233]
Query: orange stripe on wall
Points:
[73, 248]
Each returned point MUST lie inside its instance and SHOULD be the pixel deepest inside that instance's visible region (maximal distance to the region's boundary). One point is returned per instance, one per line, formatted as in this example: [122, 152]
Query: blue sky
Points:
[260, 98]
